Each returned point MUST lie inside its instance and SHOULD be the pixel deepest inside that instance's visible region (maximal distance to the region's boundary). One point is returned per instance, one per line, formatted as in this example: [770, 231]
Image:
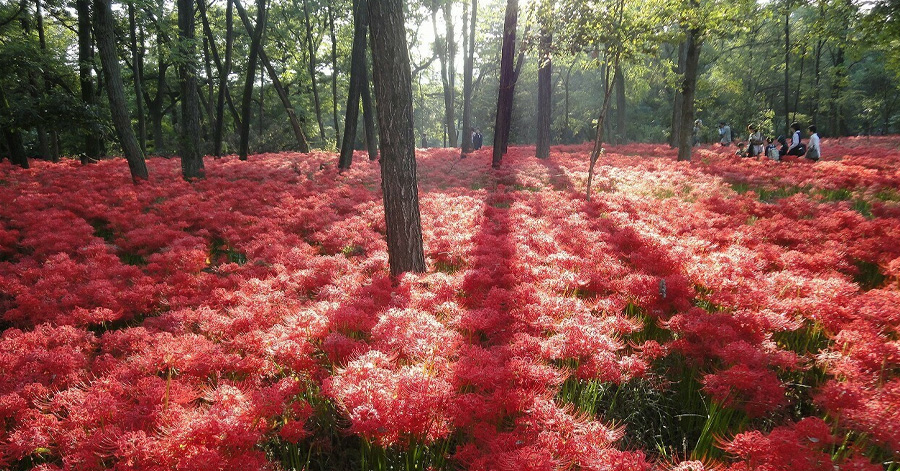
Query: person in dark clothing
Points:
[797, 147]
[477, 140]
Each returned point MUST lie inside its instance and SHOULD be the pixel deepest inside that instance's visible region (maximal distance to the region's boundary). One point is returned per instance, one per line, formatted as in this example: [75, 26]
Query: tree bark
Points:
[246, 100]
[311, 67]
[357, 74]
[507, 83]
[302, 143]
[688, 90]
[85, 58]
[191, 158]
[224, 71]
[787, 56]
[467, 83]
[621, 121]
[545, 91]
[12, 136]
[393, 92]
[334, 74]
[115, 89]
[678, 103]
[368, 110]
[448, 73]
[137, 68]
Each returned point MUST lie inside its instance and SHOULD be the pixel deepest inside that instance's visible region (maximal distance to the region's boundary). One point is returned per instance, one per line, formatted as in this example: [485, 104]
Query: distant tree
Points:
[393, 93]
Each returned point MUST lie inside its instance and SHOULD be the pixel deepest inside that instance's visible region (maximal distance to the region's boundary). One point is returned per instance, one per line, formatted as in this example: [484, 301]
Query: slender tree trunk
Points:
[818, 78]
[115, 89]
[223, 69]
[246, 101]
[85, 59]
[467, 83]
[450, 76]
[334, 74]
[357, 74]
[48, 137]
[799, 83]
[545, 92]
[393, 91]
[568, 133]
[368, 110]
[507, 82]
[678, 104]
[12, 136]
[302, 144]
[601, 121]
[688, 90]
[838, 126]
[210, 100]
[621, 122]
[311, 67]
[787, 57]
[191, 157]
[137, 68]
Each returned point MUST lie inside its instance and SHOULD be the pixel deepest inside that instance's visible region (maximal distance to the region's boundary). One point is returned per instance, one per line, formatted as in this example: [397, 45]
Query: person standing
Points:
[695, 132]
[724, 134]
[814, 151]
[754, 142]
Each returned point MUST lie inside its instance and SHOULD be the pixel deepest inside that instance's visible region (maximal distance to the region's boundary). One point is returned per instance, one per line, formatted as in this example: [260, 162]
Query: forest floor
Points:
[724, 313]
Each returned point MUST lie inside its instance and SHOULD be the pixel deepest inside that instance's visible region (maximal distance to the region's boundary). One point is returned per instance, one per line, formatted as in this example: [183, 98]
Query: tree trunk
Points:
[838, 124]
[223, 69]
[787, 57]
[467, 84]
[621, 122]
[507, 82]
[85, 58]
[334, 73]
[818, 77]
[357, 74]
[247, 98]
[545, 92]
[302, 144]
[368, 110]
[115, 89]
[688, 89]
[137, 68]
[449, 74]
[311, 67]
[393, 91]
[191, 158]
[12, 136]
[678, 104]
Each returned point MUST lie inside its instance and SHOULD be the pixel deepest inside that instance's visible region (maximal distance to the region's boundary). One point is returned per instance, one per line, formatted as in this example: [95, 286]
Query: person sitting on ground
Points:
[771, 150]
[754, 142]
[814, 151]
[797, 147]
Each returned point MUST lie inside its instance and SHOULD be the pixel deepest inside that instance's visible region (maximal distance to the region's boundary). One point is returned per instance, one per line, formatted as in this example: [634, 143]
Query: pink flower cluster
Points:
[174, 325]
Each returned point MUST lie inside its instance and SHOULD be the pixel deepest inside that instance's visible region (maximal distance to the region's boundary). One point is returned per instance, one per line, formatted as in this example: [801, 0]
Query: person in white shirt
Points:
[797, 147]
[814, 152]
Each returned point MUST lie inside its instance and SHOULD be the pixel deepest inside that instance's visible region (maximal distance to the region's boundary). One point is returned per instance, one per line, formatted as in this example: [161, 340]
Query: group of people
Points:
[758, 146]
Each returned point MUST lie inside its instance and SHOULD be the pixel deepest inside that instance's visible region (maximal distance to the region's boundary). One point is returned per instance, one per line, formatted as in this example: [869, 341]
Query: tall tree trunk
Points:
[115, 89]
[467, 83]
[678, 104]
[838, 125]
[368, 110]
[137, 68]
[334, 74]
[601, 122]
[545, 92]
[787, 57]
[818, 78]
[688, 90]
[357, 74]
[255, 45]
[191, 158]
[47, 138]
[12, 136]
[393, 91]
[507, 82]
[209, 102]
[224, 71]
[299, 135]
[799, 83]
[621, 122]
[450, 75]
[85, 58]
[311, 67]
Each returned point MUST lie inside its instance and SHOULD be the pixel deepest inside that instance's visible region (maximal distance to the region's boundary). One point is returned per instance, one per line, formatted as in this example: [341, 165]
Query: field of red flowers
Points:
[720, 314]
